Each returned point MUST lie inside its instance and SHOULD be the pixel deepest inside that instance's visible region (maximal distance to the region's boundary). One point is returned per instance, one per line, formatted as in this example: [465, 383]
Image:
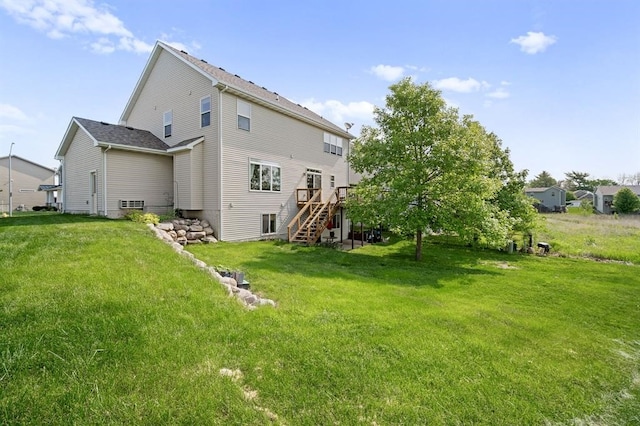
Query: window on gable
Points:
[332, 144]
[268, 223]
[167, 122]
[264, 176]
[205, 111]
[244, 115]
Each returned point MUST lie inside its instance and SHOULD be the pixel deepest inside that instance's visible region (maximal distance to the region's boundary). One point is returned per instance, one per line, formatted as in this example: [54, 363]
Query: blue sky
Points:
[557, 80]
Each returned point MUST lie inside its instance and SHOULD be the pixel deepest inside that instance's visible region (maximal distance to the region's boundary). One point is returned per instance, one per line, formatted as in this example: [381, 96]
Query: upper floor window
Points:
[264, 176]
[332, 144]
[244, 115]
[167, 121]
[205, 111]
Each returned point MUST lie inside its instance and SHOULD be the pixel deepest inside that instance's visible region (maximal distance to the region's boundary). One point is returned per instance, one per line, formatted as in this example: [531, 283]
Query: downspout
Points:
[220, 174]
[104, 179]
[63, 184]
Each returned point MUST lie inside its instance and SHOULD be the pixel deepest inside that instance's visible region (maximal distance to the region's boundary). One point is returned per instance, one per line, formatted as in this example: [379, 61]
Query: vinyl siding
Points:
[189, 176]
[275, 138]
[175, 86]
[182, 176]
[27, 177]
[81, 157]
[139, 176]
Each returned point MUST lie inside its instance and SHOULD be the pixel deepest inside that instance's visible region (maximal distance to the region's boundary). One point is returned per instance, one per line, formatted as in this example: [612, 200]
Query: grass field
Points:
[597, 236]
[100, 322]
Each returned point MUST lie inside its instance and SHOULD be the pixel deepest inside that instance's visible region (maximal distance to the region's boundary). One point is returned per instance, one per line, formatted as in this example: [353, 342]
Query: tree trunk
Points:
[419, 245]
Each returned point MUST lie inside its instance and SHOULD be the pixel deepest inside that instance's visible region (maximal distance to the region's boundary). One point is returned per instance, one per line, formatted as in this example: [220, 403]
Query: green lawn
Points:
[100, 322]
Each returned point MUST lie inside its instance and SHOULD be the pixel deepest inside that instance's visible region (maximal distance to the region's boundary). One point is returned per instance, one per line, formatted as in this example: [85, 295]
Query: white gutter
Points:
[104, 179]
[220, 173]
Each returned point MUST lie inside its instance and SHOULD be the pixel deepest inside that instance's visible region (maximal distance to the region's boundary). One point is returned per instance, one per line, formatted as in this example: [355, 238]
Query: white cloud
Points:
[64, 18]
[455, 84]
[388, 72]
[11, 112]
[505, 83]
[12, 129]
[533, 42]
[499, 93]
[338, 112]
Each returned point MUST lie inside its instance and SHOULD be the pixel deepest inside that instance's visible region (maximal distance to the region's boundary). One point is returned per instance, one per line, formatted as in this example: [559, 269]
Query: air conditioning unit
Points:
[132, 204]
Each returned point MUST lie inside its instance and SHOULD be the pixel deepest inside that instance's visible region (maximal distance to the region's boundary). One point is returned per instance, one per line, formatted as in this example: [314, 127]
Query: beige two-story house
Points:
[213, 145]
[27, 177]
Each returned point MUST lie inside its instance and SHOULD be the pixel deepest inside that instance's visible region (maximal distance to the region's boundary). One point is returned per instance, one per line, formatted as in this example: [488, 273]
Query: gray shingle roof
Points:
[251, 88]
[613, 189]
[121, 135]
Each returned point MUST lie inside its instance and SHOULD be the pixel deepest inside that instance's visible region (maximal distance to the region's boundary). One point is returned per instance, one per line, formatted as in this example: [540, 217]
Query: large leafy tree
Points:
[626, 201]
[543, 180]
[425, 168]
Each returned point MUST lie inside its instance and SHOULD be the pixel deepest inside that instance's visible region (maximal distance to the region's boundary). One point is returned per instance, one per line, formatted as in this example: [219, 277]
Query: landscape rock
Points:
[181, 232]
[195, 235]
[165, 226]
[230, 281]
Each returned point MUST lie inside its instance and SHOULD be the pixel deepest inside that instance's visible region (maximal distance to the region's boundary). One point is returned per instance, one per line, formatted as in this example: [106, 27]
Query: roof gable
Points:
[114, 135]
[17, 157]
[236, 85]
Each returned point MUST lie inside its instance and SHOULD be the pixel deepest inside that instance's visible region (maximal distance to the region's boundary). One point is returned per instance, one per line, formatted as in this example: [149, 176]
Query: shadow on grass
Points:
[390, 263]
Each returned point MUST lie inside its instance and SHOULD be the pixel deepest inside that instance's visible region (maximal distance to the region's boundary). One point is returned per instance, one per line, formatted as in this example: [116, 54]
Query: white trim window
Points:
[332, 144]
[269, 224]
[336, 222]
[264, 176]
[205, 111]
[244, 115]
[332, 182]
[167, 122]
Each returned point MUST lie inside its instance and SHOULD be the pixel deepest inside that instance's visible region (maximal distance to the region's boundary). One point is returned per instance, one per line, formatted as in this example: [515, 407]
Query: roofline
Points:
[279, 108]
[121, 147]
[155, 54]
[57, 155]
[28, 161]
[187, 147]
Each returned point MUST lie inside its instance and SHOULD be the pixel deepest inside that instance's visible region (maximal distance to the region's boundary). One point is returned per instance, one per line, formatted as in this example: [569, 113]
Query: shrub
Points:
[586, 206]
[626, 201]
[138, 216]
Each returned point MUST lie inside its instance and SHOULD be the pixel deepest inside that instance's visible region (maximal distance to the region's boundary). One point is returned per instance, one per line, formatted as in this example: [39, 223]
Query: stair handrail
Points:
[307, 206]
[331, 206]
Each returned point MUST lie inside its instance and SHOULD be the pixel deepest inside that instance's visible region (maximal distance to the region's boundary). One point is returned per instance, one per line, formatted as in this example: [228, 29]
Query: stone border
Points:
[249, 299]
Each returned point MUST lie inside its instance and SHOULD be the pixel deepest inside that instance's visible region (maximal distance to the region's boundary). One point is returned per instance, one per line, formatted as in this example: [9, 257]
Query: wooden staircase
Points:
[314, 216]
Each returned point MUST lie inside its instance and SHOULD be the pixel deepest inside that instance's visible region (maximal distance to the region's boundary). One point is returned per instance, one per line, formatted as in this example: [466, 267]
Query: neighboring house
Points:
[199, 139]
[550, 199]
[27, 176]
[603, 197]
[581, 195]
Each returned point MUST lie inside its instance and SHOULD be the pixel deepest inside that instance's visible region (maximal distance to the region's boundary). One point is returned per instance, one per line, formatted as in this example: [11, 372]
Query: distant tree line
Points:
[575, 181]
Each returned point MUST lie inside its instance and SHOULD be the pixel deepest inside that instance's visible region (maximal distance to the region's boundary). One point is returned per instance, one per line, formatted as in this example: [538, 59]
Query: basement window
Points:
[268, 224]
[132, 204]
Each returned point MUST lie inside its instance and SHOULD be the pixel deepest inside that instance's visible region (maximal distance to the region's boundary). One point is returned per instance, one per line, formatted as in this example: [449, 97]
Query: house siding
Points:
[175, 86]
[138, 176]
[274, 138]
[550, 198]
[80, 159]
[27, 177]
